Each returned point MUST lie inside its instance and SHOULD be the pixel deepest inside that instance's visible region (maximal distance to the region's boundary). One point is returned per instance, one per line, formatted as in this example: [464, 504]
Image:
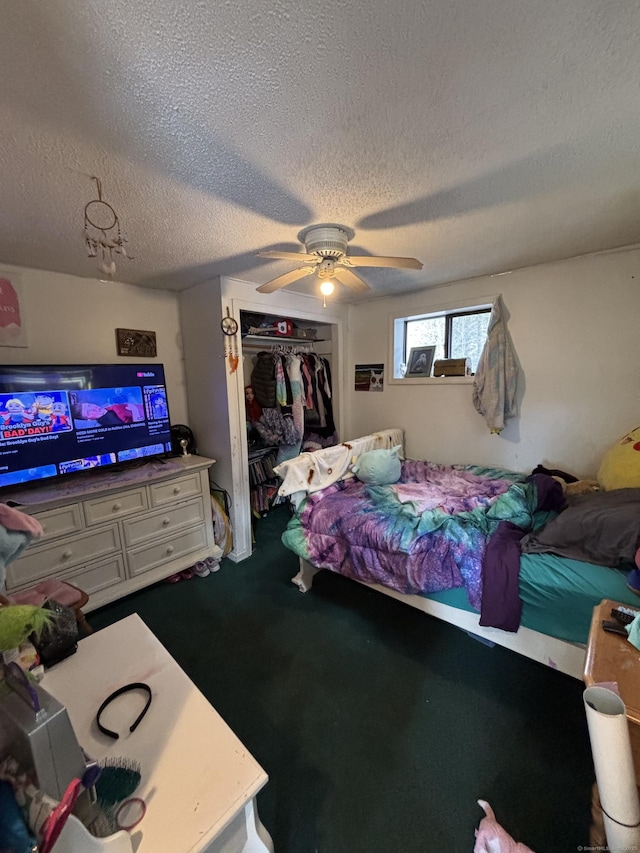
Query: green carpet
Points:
[379, 726]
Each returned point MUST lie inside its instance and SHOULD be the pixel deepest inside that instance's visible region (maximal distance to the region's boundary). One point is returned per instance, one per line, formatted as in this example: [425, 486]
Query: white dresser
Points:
[111, 533]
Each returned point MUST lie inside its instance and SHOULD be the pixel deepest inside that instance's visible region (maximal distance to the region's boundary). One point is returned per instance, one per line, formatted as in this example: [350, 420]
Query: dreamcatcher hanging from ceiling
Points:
[102, 233]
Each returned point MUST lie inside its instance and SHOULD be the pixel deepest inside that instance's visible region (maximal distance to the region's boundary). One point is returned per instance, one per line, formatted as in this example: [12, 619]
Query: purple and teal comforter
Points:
[426, 533]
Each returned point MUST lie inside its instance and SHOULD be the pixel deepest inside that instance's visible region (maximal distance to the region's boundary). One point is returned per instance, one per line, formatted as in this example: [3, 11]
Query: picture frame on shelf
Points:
[420, 362]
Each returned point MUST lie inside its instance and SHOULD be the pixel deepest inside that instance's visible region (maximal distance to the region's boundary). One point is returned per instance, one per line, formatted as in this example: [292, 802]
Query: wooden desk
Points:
[611, 657]
[198, 780]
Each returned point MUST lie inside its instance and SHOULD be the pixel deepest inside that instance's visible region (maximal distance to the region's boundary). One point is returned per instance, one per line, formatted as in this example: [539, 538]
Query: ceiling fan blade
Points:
[284, 280]
[351, 280]
[366, 261]
[299, 257]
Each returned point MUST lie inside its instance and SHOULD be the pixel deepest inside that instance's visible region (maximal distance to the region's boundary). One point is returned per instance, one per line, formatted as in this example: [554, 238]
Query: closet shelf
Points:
[280, 339]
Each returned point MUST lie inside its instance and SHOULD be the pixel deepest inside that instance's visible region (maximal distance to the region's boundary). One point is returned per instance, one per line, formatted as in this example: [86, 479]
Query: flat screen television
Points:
[57, 420]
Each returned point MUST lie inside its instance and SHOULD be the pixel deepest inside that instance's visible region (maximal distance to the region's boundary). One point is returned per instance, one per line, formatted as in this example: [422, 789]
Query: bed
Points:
[462, 543]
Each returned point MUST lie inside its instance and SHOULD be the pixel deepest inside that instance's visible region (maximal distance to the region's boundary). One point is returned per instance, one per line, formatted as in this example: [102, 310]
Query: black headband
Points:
[134, 686]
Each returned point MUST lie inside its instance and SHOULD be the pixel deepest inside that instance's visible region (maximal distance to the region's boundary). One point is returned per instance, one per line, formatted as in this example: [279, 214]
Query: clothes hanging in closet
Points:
[294, 390]
[263, 379]
[319, 423]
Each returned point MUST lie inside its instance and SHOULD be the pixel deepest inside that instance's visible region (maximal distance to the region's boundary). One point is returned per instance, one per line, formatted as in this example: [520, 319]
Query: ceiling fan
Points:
[326, 253]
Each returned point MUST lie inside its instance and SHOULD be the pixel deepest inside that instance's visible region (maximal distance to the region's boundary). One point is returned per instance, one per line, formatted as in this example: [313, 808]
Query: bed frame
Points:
[566, 657]
[557, 654]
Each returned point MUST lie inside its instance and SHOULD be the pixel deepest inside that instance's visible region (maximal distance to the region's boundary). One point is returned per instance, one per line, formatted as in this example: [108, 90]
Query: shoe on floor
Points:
[201, 569]
[212, 564]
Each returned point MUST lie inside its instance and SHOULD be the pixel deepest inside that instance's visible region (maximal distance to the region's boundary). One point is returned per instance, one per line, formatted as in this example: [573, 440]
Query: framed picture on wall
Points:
[136, 342]
[369, 377]
[420, 361]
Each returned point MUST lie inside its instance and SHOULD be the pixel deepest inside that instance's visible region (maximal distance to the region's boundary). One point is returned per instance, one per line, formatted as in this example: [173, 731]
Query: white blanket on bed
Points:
[310, 472]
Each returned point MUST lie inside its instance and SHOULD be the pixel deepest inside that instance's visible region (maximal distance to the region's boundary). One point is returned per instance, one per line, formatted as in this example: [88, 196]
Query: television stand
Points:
[114, 532]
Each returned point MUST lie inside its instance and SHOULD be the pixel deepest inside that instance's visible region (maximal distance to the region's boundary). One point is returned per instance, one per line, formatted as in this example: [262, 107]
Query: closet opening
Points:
[289, 399]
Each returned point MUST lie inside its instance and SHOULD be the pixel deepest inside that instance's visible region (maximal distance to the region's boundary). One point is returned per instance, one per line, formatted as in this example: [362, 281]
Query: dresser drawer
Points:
[98, 576]
[143, 559]
[60, 521]
[48, 560]
[175, 490]
[115, 506]
[152, 527]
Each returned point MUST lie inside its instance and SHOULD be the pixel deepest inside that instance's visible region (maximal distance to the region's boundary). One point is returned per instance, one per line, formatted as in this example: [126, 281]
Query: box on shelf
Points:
[452, 367]
[307, 334]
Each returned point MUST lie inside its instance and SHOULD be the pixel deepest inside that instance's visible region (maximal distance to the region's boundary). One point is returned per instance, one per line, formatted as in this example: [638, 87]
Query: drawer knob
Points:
[66, 554]
[166, 522]
[170, 549]
[176, 490]
[117, 506]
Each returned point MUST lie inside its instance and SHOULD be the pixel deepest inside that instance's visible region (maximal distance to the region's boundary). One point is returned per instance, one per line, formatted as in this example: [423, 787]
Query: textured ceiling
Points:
[478, 137]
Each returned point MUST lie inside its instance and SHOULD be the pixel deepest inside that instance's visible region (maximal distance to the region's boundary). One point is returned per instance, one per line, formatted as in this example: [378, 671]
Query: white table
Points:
[198, 780]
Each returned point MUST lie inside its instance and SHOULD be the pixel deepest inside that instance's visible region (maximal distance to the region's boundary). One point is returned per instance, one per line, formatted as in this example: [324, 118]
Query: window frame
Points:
[397, 338]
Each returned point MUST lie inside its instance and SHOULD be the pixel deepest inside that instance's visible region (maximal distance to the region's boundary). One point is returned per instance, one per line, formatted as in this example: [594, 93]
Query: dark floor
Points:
[379, 726]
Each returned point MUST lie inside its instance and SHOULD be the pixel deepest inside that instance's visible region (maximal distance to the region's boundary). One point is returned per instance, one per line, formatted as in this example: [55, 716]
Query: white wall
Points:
[574, 325]
[73, 320]
[205, 370]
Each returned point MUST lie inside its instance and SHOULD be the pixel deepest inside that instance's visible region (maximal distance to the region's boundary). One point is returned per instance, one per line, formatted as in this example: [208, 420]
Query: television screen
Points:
[60, 419]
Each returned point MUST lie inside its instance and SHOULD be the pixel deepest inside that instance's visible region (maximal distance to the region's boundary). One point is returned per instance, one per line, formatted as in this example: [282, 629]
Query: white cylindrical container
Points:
[613, 763]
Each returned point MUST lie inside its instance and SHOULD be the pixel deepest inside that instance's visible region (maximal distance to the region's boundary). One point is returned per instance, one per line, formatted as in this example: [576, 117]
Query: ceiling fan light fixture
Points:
[326, 268]
[326, 256]
[326, 289]
[327, 240]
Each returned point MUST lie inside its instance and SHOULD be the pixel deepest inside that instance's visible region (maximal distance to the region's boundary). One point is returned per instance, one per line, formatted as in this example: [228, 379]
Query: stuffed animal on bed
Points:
[580, 487]
[378, 467]
[620, 466]
[571, 485]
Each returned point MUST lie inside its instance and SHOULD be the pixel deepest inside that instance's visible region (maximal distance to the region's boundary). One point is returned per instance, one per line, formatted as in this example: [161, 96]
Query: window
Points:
[460, 335]
[456, 333]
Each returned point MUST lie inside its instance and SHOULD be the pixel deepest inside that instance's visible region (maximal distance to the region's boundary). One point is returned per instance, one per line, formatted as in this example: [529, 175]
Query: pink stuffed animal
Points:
[492, 838]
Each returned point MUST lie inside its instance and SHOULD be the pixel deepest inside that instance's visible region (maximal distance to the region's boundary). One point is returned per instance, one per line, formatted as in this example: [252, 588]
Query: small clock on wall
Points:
[228, 325]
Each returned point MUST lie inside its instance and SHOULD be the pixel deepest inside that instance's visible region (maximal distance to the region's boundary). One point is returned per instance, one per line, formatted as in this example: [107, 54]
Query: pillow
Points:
[601, 528]
[378, 467]
[620, 466]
